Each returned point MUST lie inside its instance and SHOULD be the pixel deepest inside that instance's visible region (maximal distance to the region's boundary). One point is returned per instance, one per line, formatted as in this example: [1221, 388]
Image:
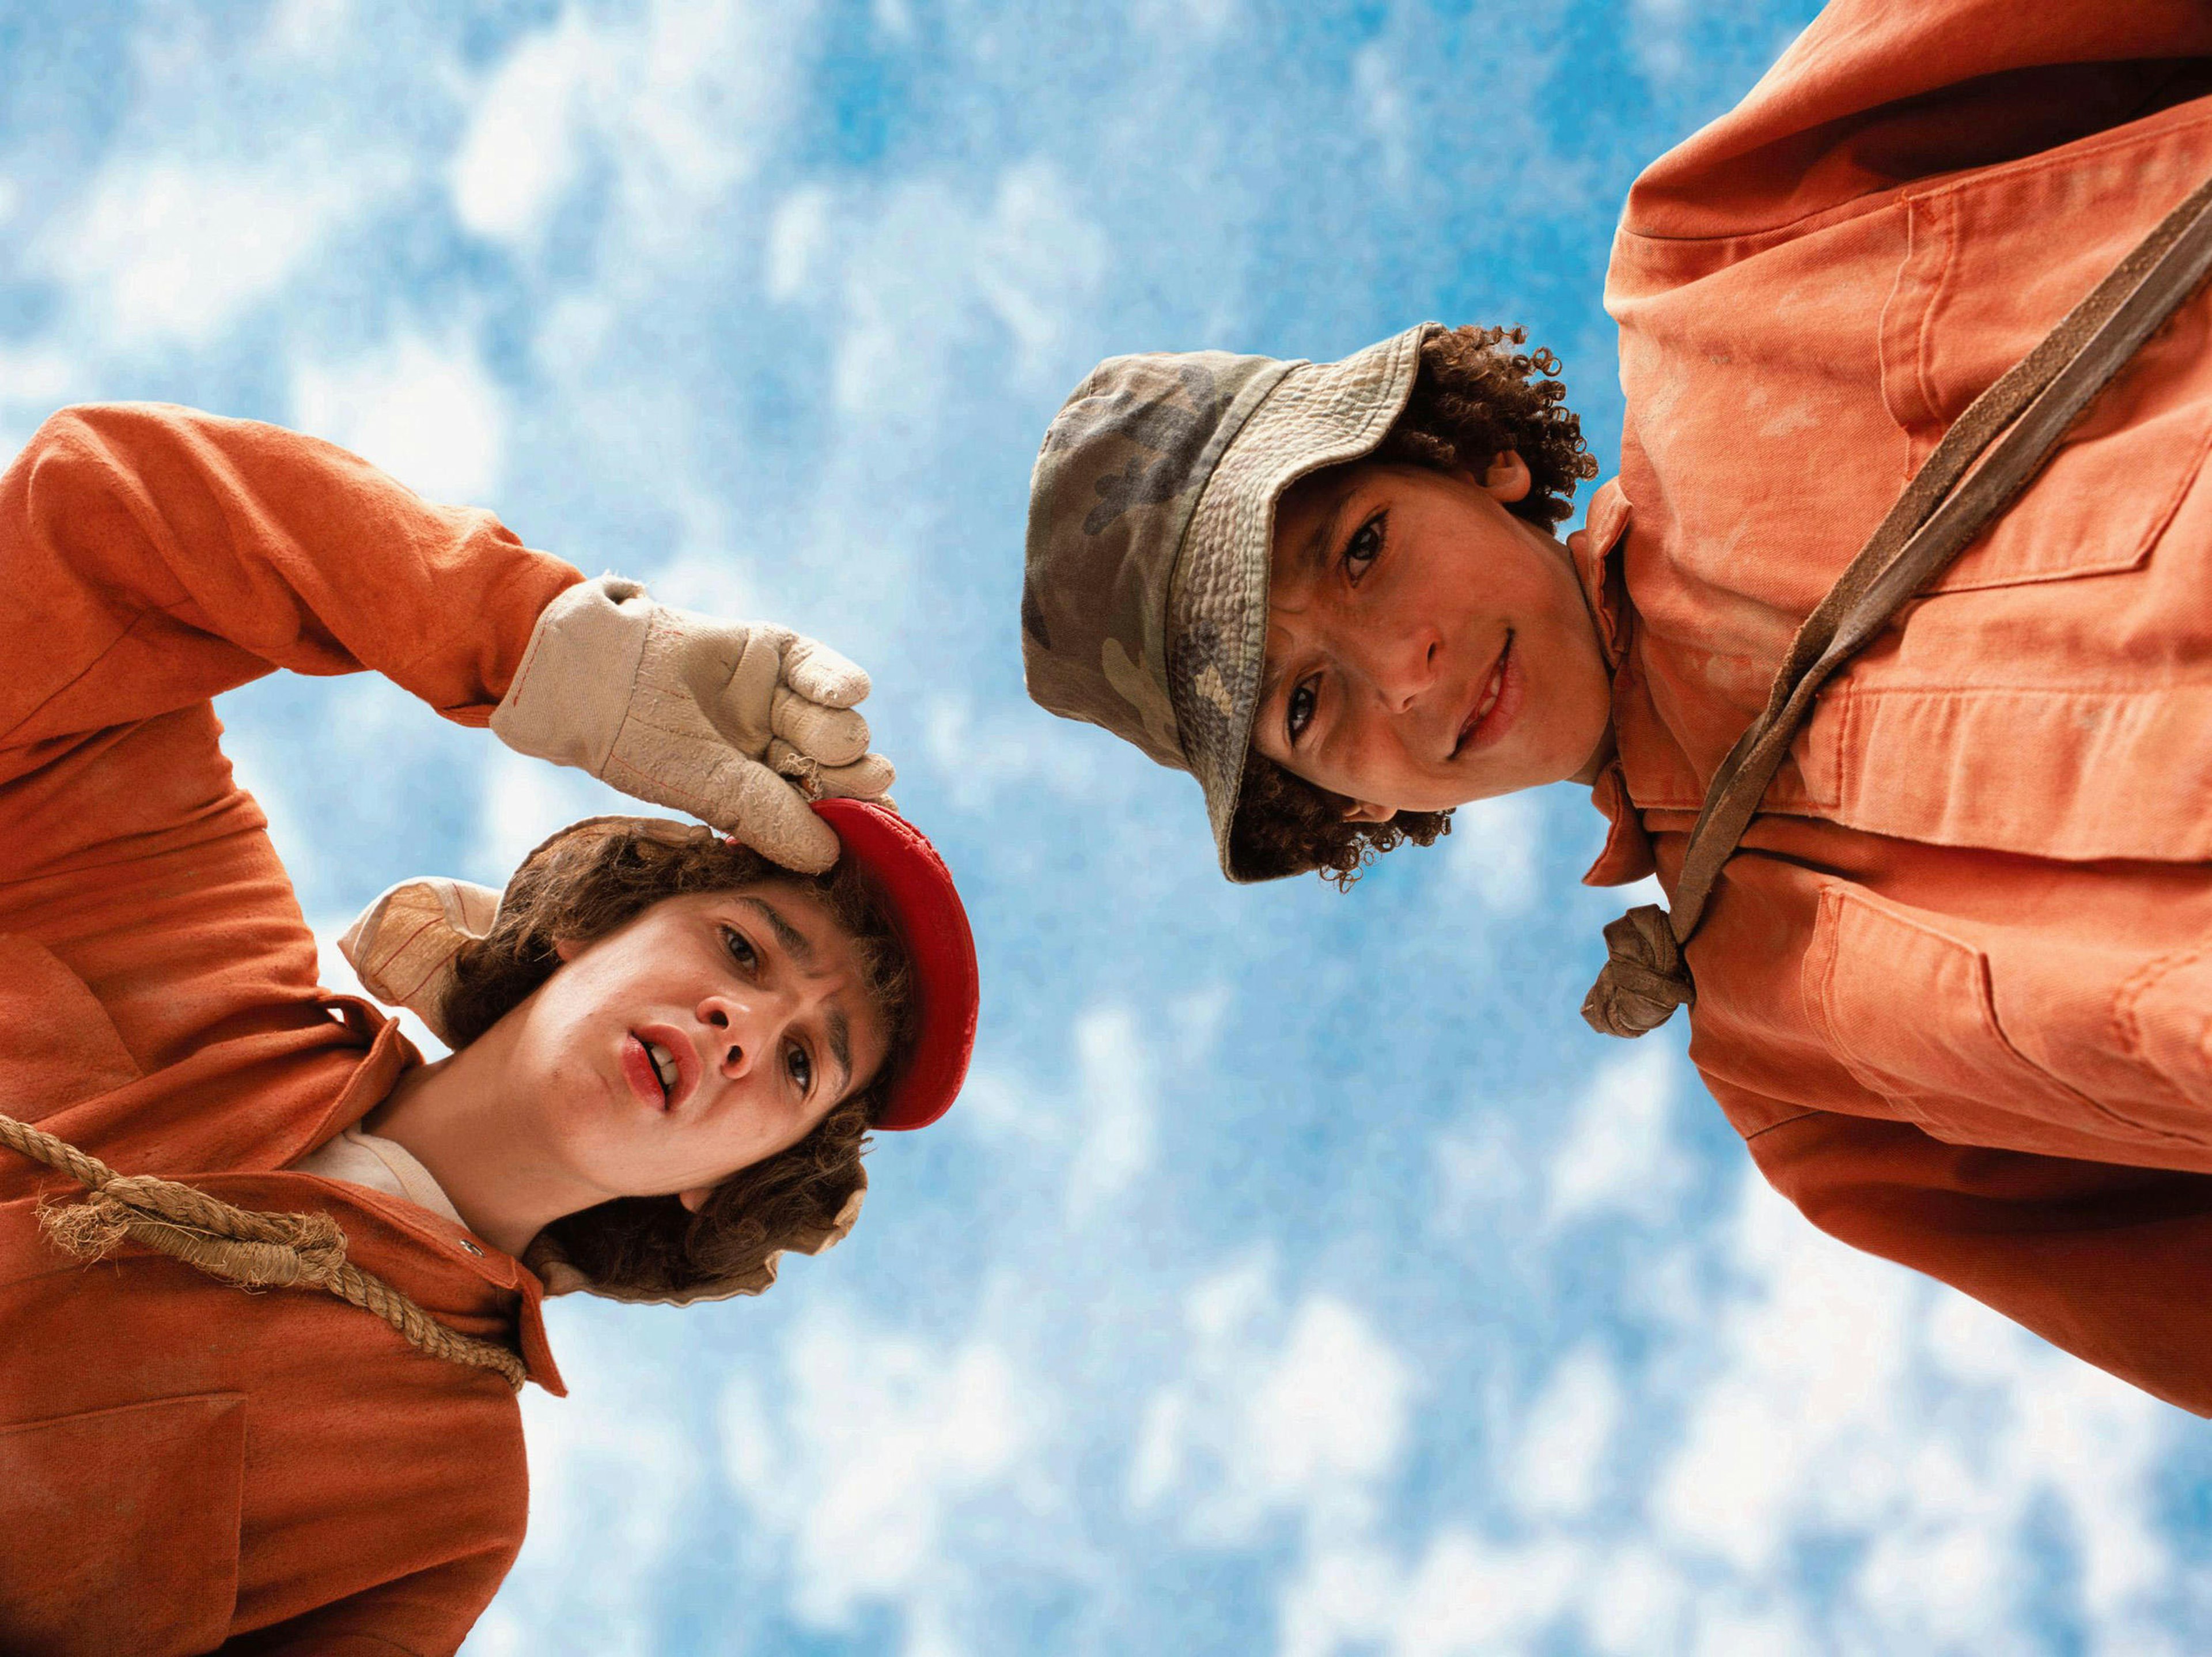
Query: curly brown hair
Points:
[583, 884]
[1473, 399]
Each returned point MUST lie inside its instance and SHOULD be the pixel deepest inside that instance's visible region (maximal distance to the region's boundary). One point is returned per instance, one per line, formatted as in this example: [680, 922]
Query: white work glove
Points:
[738, 723]
[402, 946]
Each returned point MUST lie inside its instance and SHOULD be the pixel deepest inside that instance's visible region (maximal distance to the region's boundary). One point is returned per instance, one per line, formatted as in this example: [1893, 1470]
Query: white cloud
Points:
[1561, 1453]
[1656, 36]
[1377, 85]
[1039, 261]
[165, 250]
[1308, 1422]
[858, 1461]
[525, 801]
[522, 146]
[1461, 1596]
[610, 1481]
[681, 102]
[1114, 1106]
[1185, 23]
[1329, 1420]
[923, 266]
[1493, 847]
[36, 379]
[308, 30]
[1617, 1155]
[800, 236]
[1851, 1399]
[429, 414]
[981, 759]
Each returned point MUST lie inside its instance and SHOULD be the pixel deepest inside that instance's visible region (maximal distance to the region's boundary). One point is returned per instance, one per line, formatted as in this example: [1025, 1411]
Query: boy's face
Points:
[754, 999]
[1426, 648]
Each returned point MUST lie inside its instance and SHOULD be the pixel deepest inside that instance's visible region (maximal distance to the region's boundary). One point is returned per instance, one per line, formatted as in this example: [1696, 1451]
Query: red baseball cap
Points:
[926, 913]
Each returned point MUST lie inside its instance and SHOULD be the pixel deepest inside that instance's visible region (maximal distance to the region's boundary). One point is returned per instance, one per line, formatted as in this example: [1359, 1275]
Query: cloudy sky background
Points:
[1299, 1275]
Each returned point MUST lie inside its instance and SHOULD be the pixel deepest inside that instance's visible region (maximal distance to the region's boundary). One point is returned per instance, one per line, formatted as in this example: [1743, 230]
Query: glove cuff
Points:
[573, 690]
[402, 946]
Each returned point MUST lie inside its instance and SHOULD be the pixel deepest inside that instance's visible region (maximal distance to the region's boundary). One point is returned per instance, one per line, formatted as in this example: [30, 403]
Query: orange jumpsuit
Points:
[1956, 990]
[181, 1462]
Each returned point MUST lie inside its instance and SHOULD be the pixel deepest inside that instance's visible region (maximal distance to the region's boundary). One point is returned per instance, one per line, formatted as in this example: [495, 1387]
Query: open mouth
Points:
[1483, 722]
[652, 1071]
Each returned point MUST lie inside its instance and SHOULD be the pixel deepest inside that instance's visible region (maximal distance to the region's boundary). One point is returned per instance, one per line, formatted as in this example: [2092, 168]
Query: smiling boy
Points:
[1954, 988]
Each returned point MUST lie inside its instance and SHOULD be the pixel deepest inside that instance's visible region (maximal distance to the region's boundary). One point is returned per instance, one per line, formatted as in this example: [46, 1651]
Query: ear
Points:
[1366, 811]
[1508, 477]
[696, 1198]
[567, 949]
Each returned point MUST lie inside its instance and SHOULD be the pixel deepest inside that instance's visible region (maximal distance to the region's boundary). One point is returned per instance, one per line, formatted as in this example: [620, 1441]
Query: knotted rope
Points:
[2011, 430]
[240, 1246]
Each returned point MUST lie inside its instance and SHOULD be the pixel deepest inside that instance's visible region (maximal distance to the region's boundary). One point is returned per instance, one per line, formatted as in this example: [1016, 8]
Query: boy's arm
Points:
[162, 557]
[2105, 1261]
[155, 557]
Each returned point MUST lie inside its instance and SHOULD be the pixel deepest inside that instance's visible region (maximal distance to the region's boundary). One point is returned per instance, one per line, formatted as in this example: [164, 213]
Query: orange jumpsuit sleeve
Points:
[155, 557]
[2107, 1262]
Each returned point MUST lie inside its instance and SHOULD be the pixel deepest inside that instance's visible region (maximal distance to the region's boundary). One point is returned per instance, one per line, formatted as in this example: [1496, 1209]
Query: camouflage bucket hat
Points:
[1152, 508]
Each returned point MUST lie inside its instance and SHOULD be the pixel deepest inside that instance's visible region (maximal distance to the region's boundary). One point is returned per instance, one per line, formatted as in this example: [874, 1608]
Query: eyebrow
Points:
[1315, 552]
[795, 944]
[840, 1044]
[1312, 554]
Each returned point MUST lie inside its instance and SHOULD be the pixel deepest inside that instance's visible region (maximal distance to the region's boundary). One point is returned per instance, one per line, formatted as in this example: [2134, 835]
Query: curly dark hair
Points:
[583, 884]
[1472, 401]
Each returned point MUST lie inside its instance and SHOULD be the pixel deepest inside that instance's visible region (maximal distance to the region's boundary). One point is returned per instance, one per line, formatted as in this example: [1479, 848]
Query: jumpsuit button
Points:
[471, 1248]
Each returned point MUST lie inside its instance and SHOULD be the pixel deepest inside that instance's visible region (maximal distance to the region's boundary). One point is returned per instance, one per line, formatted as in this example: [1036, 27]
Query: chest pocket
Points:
[121, 1528]
[58, 1043]
[1995, 262]
[1909, 1008]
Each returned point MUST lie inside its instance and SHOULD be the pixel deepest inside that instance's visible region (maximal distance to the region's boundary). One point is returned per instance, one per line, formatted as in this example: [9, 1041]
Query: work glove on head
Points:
[402, 946]
[738, 723]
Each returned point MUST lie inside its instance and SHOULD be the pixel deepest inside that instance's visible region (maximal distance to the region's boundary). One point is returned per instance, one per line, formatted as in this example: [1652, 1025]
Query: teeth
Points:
[664, 1062]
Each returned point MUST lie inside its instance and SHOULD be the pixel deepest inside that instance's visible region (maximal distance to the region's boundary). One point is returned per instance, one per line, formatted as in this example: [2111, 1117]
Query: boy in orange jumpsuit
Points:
[668, 1049]
[1955, 987]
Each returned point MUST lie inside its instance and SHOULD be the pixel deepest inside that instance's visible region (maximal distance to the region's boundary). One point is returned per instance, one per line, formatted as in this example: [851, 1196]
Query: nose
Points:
[740, 1032]
[1403, 665]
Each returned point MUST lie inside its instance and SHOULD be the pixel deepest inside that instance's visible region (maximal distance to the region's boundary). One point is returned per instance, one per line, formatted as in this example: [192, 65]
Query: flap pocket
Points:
[1908, 1007]
[121, 1528]
[2107, 494]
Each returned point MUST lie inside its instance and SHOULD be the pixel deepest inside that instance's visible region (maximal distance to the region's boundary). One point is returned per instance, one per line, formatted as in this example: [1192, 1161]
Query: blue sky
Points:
[1299, 1275]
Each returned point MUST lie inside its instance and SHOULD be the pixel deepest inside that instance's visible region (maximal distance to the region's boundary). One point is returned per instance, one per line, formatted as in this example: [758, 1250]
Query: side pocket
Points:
[121, 1528]
[1907, 1008]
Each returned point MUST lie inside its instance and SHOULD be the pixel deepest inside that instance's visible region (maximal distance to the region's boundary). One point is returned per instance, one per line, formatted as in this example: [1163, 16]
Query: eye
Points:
[1298, 708]
[801, 1068]
[741, 951]
[1364, 548]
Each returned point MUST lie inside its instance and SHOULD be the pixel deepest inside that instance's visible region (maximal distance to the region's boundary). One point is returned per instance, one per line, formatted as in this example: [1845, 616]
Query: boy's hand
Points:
[738, 723]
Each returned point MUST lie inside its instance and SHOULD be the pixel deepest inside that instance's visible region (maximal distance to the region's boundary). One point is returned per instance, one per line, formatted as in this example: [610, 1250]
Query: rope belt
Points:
[240, 1246]
[2032, 404]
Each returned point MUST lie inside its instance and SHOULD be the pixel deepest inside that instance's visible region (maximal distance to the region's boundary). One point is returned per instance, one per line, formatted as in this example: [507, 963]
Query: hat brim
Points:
[932, 922]
[1319, 415]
